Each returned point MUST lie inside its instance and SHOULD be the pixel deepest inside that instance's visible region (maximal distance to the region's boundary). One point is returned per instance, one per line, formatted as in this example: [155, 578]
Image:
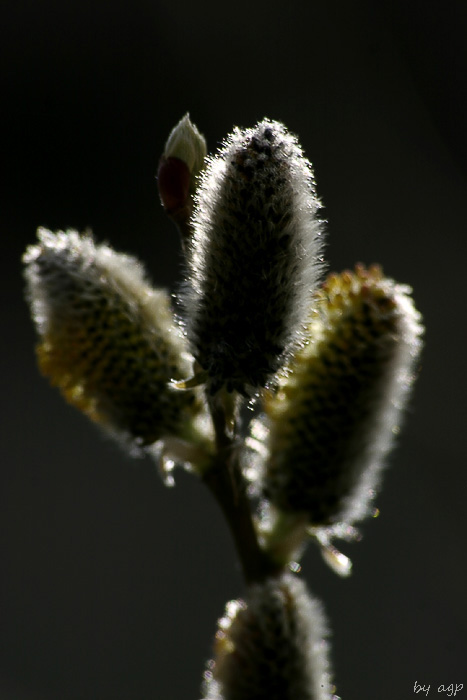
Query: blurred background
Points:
[110, 583]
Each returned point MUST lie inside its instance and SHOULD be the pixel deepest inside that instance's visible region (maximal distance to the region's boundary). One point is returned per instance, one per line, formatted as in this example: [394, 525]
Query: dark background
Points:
[111, 584]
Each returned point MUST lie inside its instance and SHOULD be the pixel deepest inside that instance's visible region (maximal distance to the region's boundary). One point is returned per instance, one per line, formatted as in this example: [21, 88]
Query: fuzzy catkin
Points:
[254, 257]
[272, 646]
[338, 407]
[107, 339]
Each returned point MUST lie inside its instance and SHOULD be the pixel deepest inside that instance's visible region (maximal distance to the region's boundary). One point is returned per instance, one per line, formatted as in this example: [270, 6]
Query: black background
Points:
[111, 584]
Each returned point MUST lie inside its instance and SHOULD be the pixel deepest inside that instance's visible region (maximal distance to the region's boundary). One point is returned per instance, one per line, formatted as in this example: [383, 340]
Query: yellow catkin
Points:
[332, 418]
[108, 340]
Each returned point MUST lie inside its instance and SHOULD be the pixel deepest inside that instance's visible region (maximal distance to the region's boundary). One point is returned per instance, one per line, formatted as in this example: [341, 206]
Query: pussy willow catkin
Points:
[107, 339]
[339, 404]
[271, 646]
[254, 257]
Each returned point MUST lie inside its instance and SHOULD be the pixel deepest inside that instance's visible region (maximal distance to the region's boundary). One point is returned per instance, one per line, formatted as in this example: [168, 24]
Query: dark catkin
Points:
[272, 646]
[108, 340]
[338, 407]
[254, 257]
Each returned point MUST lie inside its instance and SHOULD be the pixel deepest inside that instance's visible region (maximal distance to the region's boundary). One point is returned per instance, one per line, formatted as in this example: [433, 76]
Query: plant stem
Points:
[226, 482]
[182, 220]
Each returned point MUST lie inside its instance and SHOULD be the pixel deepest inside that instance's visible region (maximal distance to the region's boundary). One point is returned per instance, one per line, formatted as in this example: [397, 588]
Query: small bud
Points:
[107, 339]
[271, 647]
[254, 257]
[180, 165]
[338, 407]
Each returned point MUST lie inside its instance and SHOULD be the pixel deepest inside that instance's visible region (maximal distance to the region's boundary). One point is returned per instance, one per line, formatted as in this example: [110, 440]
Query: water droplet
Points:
[294, 566]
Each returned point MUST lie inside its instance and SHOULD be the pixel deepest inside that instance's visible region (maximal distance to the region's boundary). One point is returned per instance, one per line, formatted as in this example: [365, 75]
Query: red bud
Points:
[173, 180]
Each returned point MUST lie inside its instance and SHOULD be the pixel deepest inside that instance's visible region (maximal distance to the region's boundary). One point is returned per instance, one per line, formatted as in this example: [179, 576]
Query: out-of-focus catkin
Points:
[107, 339]
[338, 407]
[271, 647]
[254, 257]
